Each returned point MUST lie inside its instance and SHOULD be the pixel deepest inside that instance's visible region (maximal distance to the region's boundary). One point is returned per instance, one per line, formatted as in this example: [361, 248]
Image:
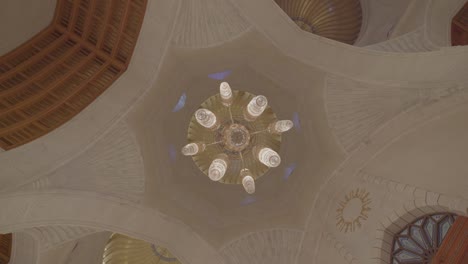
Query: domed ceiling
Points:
[339, 20]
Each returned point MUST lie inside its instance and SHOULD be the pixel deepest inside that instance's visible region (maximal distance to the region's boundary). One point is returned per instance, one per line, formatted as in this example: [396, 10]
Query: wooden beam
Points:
[454, 248]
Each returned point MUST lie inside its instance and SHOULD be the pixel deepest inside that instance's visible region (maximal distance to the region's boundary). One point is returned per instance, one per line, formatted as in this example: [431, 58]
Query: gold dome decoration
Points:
[123, 249]
[339, 20]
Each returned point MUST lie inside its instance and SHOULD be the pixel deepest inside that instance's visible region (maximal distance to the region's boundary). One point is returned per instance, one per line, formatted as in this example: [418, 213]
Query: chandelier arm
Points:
[242, 159]
[230, 115]
[258, 132]
[214, 143]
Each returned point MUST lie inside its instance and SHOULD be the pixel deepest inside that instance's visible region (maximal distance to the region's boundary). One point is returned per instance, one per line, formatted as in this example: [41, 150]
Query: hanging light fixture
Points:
[235, 137]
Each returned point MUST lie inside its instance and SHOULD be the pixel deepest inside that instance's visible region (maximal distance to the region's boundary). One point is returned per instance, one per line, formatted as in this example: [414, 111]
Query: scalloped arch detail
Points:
[205, 23]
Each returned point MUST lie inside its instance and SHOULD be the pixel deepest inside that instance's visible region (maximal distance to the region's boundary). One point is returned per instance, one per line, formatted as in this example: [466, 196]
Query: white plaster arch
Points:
[393, 223]
[56, 148]
[278, 245]
[106, 213]
[377, 142]
[25, 249]
[345, 60]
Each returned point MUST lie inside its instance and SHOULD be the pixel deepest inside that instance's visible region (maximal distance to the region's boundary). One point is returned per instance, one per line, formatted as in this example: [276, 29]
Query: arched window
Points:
[419, 241]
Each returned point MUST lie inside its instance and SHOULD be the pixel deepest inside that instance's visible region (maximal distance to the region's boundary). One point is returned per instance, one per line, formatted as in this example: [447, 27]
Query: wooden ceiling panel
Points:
[56, 74]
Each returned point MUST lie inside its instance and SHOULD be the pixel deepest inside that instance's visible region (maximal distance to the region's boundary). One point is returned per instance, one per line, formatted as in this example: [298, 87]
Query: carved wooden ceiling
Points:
[56, 74]
[5, 248]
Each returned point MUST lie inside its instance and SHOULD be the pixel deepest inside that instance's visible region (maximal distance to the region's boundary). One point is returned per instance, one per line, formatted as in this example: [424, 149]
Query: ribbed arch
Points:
[334, 19]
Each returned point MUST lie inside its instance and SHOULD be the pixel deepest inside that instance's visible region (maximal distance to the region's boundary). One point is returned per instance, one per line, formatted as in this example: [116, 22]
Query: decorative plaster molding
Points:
[25, 249]
[356, 110]
[439, 103]
[50, 237]
[205, 23]
[264, 247]
[414, 41]
[97, 211]
[422, 202]
[342, 249]
[113, 165]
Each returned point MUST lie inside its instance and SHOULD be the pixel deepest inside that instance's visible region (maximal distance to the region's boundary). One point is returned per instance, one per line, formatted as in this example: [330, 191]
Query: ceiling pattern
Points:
[339, 20]
[356, 109]
[113, 165]
[124, 249]
[50, 237]
[53, 76]
[264, 247]
[414, 41]
[205, 23]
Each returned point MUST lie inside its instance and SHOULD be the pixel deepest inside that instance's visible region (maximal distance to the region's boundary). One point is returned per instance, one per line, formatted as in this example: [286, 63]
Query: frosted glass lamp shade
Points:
[269, 157]
[206, 118]
[217, 169]
[256, 107]
[193, 149]
[226, 93]
[249, 184]
[281, 126]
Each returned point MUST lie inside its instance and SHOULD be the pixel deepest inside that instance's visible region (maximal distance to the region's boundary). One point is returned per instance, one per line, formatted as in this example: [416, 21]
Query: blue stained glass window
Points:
[418, 241]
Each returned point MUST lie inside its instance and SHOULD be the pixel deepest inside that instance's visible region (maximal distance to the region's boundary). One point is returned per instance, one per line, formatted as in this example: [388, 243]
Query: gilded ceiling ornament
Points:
[234, 137]
[353, 210]
[123, 249]
[339, 20]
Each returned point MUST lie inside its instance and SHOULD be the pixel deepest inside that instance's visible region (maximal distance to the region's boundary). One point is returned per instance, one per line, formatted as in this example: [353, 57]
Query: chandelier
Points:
[235, 137]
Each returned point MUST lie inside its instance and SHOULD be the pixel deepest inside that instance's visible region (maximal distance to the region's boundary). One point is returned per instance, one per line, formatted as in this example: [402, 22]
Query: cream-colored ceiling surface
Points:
[345, 182]
[381, 17]
[220, 212]
[20, 20]
[432, 156]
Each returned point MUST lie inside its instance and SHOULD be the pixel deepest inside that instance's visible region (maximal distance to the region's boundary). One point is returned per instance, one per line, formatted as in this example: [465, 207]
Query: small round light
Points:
[249, 184]
[205, 118]
[256, 106]
[217, 169]
[269, 157]
[192, 149]
[282, 126]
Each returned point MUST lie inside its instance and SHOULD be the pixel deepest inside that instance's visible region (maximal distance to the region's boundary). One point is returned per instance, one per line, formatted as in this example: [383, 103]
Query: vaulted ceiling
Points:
[378, 137]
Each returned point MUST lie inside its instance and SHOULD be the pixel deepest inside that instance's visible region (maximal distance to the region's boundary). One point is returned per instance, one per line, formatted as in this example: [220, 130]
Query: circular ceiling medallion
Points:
[235, 137]
[339, 20]
[353, 210]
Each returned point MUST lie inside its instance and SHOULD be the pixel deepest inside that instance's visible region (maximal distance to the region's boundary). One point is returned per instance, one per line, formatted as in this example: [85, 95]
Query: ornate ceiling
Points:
[53, 76]
[339, 20]
[375, 139]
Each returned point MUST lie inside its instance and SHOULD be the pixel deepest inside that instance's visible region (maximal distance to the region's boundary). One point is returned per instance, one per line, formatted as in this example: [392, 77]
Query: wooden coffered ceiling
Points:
[56, 74]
